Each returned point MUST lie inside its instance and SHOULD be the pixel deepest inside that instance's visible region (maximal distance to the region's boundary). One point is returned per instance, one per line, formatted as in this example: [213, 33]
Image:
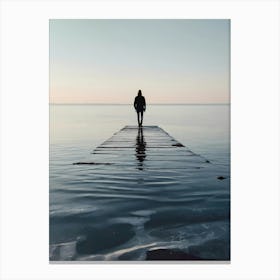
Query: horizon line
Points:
[132, 104]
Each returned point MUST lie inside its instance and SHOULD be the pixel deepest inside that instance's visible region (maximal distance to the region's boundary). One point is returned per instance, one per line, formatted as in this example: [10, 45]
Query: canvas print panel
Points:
[139, 140]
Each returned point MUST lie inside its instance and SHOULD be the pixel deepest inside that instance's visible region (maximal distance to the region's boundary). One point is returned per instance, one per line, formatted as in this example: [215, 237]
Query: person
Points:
[140, 106]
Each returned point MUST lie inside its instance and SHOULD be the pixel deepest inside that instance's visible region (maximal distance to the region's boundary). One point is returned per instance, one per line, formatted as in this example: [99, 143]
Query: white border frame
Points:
[254, 142]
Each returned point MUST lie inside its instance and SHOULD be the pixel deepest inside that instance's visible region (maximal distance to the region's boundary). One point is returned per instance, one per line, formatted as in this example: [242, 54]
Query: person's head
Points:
[139, 92]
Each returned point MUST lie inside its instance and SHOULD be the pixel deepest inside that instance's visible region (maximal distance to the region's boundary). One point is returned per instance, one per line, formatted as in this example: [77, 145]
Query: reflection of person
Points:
[140, 106]
[140, 148]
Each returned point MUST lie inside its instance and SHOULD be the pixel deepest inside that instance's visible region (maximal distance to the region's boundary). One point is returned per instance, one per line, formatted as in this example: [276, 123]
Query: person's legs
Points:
[138, 118]
[141, 118]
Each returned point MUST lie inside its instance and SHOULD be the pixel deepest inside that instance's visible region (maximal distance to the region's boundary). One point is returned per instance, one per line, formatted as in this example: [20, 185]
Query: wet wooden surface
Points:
[144, 148]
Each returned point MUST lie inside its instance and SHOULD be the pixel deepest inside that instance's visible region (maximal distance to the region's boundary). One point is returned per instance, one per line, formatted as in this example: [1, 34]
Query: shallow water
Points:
[120, 215]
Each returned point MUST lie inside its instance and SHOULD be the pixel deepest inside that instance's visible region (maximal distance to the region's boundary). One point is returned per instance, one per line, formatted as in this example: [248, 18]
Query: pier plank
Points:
[151, 150]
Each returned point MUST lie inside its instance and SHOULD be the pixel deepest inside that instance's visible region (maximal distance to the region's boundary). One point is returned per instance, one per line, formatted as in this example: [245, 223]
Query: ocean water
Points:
[96, 216]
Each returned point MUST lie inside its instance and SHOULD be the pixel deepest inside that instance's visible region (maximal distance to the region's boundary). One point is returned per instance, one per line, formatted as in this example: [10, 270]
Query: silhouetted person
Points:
[140, 150]
[140, 106]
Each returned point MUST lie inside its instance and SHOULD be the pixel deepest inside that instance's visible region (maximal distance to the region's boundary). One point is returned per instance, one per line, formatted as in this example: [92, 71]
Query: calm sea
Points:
[98, 226]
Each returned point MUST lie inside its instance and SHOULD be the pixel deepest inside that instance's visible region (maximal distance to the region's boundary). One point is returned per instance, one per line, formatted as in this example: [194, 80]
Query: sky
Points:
[108, 61]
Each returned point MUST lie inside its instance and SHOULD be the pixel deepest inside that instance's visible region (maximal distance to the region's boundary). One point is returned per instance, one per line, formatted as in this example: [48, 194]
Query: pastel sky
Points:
[171, 61]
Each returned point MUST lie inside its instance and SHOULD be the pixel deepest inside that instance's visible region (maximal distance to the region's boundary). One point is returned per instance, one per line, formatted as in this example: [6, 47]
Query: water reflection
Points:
[140, 149]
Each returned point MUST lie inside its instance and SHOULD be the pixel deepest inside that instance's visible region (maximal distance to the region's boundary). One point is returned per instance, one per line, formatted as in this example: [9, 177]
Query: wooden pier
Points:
[148, 148]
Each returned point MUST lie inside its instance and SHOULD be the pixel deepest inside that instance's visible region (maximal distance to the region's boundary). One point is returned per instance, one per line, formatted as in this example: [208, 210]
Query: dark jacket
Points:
[140, 103]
